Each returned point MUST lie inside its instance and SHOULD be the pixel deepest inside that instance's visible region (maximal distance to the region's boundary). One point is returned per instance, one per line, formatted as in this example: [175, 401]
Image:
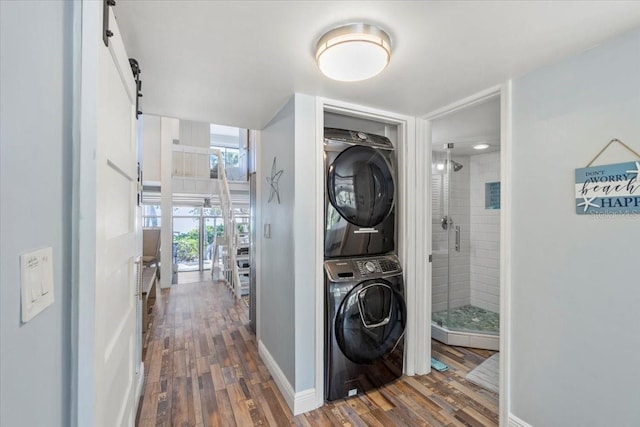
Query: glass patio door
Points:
[186, 238]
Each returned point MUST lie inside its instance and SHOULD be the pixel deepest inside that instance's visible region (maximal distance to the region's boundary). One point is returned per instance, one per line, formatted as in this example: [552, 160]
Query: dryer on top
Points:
[359, 194]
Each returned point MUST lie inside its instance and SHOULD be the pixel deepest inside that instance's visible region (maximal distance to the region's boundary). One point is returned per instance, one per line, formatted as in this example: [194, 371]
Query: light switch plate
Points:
[36, 282]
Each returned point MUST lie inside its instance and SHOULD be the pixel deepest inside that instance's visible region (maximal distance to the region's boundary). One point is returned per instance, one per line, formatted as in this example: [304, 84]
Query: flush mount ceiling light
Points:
[353, 52]
[481, 146]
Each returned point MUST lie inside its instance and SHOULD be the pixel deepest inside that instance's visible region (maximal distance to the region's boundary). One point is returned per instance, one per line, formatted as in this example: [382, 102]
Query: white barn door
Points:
[108, 229]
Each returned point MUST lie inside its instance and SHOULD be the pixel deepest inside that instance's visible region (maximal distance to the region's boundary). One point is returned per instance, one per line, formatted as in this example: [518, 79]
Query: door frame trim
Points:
[83, 297]
[423, 303]
[75, 210]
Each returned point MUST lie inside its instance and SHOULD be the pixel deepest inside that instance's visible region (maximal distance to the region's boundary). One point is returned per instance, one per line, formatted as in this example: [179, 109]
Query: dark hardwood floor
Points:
[202, 369]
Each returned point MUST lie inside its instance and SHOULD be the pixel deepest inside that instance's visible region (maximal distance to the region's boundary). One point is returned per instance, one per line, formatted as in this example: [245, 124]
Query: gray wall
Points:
[288, 258]
[35, 209]
[306, 206]
[576, 295]
[277, 293]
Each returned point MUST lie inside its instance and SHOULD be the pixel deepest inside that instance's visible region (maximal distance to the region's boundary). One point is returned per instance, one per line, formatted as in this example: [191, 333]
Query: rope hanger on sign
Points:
[607, 146]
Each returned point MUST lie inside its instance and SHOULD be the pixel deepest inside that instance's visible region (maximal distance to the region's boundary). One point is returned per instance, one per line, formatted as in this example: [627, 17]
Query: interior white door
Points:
[108, 229]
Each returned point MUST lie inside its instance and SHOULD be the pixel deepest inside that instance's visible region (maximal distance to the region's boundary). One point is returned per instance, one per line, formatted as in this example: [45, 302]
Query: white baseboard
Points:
[140, 384]
[278, 376]
[301, 402]
[517, 422]
[305, 401]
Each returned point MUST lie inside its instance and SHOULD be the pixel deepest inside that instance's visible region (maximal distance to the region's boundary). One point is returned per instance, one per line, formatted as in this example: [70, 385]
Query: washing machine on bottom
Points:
[365, 322]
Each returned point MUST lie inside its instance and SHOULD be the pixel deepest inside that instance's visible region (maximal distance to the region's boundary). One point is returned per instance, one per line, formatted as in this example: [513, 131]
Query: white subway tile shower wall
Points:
[485, 234]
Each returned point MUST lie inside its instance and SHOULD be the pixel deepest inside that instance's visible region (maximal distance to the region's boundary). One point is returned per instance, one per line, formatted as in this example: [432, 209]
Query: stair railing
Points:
[230, 264]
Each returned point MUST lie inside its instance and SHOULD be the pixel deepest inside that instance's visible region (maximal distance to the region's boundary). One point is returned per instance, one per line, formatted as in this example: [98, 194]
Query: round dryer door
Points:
[370, 321]
[360, 186]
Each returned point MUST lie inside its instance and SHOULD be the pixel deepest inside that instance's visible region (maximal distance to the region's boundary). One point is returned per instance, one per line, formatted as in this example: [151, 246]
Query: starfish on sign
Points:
[588, 202]
[637, 171]
[273, 182]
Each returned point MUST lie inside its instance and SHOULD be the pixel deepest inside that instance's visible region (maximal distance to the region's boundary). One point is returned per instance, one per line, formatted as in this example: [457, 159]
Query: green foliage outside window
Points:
[231, 158]
[187, 243]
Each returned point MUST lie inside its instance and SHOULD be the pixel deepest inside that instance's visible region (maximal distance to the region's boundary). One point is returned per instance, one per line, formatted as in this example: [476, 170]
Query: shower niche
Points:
[465, 230]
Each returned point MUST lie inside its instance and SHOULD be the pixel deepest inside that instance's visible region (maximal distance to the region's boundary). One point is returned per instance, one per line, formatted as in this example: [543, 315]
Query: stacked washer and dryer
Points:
[365, 309]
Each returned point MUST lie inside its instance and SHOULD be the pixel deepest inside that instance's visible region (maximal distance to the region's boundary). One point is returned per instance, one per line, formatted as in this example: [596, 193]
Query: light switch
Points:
[36, 280]
[267, 231]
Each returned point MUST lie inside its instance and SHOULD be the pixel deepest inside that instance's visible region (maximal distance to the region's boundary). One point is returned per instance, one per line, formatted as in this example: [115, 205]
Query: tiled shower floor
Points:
[469, 318]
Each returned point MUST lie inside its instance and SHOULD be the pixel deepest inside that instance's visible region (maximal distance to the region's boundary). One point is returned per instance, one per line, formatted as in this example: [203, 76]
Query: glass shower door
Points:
[440, 236]
[451, 252]
[458, 227]
[458, 204]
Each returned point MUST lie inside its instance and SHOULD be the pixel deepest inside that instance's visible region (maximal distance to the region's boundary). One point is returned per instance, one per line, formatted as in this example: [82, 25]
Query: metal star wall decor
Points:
[273, 182]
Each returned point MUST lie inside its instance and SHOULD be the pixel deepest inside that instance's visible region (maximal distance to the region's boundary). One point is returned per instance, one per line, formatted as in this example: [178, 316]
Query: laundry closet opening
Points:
[366, 313]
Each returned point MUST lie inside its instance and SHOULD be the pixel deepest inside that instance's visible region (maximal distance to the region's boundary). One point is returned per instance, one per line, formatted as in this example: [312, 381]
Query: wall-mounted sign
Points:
[608, 189]
[492, 195]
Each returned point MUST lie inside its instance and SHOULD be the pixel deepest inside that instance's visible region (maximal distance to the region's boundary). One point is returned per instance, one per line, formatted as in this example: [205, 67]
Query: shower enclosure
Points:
[465, 246]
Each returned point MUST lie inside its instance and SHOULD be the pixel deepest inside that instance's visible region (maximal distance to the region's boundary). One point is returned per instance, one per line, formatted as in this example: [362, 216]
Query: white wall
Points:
[575, 335]
[169, 130]
[151, 163]
[485, 234]
[35, 210]
[194, 134]
[187, 133]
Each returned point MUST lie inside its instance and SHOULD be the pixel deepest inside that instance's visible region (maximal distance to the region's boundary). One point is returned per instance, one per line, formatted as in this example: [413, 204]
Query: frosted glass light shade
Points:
[353, 52]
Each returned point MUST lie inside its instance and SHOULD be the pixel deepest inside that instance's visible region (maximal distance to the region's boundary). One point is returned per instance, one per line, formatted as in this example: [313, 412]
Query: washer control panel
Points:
[362, 268]
[377, 266]
[367, 267]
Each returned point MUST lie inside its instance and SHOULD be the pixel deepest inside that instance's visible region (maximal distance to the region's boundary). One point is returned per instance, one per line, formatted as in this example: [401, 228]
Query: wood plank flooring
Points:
[202, 369]
[193, 276]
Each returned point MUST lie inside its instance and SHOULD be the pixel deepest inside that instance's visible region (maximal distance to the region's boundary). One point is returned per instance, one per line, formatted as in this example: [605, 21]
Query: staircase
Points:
[243, 255]
[234, 245]
[193, 178]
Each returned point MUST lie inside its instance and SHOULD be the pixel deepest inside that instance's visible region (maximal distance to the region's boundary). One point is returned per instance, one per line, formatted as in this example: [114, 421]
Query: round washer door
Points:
[360, 186]
[370, 321]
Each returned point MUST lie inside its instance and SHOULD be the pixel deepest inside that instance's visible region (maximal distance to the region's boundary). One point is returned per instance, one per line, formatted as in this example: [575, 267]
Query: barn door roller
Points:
[106, 32]
[135, 68]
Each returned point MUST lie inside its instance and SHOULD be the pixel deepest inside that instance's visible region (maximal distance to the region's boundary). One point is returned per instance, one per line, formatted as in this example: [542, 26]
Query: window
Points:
[151, 215]
[232, 143]
[231, 157]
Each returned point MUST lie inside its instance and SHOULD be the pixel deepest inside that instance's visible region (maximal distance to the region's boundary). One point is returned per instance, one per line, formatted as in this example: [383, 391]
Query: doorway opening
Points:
[465, 196]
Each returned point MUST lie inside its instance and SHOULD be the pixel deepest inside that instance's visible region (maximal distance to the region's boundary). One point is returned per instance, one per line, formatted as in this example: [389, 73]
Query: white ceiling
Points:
[466, 127]
[237, 62]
